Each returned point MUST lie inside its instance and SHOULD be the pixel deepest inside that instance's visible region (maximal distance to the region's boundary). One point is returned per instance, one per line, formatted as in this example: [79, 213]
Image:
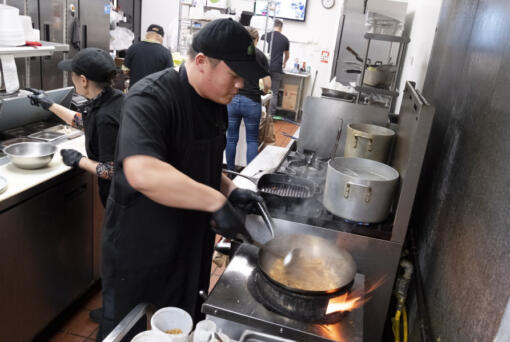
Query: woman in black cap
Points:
[92, 71]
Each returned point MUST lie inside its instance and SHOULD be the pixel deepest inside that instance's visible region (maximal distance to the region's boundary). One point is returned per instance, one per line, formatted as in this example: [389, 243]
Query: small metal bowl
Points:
[30, 155]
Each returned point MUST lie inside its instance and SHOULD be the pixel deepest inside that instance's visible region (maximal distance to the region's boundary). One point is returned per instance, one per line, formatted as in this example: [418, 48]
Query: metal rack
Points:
[46, 49]
[392, 92]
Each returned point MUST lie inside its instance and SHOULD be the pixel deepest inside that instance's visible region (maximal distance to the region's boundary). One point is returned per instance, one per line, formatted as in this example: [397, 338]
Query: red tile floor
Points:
[79, 328]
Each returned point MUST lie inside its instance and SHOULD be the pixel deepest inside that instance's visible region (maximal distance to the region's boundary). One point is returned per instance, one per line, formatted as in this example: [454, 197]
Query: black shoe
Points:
[96, 315]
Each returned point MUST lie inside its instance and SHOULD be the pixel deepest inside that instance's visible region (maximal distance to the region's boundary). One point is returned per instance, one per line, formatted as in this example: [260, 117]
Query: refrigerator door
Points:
[34, 77]
[52, 23]
[95, 23]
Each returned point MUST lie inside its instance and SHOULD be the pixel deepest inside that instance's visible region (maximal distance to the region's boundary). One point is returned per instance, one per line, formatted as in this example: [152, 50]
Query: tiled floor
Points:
[79, 327]
[282, 126]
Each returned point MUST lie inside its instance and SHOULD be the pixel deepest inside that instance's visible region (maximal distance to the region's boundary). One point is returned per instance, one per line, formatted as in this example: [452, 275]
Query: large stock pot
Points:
[359, 189]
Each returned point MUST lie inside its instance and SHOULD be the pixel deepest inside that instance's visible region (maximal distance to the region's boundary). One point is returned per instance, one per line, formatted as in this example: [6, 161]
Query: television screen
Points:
[285, 9]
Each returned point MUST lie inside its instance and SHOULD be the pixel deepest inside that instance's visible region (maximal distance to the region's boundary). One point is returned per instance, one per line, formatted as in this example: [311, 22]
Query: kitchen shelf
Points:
[373, 90]
[47, 49]
[386, 38]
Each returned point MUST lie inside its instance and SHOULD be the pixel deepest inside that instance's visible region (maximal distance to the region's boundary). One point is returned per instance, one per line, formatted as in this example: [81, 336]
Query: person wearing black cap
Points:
[148, 56]
[279, 58]
[157, 236]
[92, 71]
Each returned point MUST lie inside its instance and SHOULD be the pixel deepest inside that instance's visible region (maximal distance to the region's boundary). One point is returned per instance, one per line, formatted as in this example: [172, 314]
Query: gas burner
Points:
[302, 307]
[366, 224]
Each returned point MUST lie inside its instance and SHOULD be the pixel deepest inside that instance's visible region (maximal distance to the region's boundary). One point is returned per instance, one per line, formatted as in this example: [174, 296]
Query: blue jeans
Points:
[248, 110]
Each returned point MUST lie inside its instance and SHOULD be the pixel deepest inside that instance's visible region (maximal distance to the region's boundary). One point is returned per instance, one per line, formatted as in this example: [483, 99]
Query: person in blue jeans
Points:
[247, 106]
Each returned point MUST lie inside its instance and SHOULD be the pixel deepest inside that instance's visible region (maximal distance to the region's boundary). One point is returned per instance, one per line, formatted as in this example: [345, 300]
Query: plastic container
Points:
[203, 331]
[11, 28]
[150, 336]
[28, 31]
[171, 318]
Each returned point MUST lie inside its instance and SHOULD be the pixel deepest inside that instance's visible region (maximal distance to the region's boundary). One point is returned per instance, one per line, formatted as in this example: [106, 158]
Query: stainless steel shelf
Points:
[47, 49]
[387, 38]
[373, 90]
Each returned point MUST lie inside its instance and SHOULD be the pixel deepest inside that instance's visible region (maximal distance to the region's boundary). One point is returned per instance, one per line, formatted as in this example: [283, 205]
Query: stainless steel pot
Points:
[321, 267]
[30, 155]
[359, 190]
[379, 75]
[368, 141]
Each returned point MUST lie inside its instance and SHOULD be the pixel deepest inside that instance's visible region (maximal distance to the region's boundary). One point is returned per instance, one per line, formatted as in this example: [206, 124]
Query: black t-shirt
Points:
[251, 87]
[280, 45]
[145, 58]
[156, 122]
[101, 120]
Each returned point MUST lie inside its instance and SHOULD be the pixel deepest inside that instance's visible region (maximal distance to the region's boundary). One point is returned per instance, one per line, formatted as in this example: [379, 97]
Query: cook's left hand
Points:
[71, 157]
[246, 200]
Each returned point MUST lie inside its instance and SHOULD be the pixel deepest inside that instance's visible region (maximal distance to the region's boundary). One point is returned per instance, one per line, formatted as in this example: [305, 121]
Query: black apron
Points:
[152, 256]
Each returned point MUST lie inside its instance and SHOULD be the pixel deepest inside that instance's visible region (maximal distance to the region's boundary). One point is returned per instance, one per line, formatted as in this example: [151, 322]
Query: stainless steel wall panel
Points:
[463, 212]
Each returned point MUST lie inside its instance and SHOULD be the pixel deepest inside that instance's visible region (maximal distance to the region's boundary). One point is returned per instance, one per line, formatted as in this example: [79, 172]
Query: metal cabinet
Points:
[45, 255]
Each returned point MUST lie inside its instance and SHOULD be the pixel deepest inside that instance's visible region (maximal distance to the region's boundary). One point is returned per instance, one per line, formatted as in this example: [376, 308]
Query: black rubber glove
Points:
[71, 157]
[39, 98]
[246, 200]
[229, 223]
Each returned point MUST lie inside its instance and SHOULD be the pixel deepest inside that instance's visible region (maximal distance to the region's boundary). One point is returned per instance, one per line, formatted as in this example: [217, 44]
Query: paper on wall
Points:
[10, 73]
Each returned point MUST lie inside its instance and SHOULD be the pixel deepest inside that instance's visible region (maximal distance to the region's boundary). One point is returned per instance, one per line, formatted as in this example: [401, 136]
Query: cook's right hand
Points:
[39, 98]
[229, 223]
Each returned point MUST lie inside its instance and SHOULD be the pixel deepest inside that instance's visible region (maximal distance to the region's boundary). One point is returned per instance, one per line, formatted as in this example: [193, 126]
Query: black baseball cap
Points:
[229, 41]
[94, 63]
[156, 28]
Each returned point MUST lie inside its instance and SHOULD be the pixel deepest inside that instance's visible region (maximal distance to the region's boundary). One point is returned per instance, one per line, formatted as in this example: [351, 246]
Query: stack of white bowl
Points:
[11, 27]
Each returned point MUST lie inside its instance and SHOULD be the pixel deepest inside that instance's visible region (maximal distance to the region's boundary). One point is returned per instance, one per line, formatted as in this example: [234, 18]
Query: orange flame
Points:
[342, 303]
[353, 300]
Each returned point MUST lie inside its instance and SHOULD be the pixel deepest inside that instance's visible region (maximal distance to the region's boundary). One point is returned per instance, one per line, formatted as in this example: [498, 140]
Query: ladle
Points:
[289, 259]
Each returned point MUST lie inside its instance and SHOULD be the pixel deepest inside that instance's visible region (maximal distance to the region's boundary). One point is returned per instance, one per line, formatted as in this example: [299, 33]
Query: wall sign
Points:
[324, 56]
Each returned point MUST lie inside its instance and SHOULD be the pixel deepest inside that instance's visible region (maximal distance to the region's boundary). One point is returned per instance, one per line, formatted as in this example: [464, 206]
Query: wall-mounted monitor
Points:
[284, 9]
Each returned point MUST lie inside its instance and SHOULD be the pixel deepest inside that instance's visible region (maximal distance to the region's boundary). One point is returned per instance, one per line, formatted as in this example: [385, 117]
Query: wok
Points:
[319, 267]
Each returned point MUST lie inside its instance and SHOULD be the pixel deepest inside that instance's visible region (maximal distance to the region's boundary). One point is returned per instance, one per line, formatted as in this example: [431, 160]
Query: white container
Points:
[28, 31]
[150, 336]
[203, 331]
[172, 318]
[11, 29]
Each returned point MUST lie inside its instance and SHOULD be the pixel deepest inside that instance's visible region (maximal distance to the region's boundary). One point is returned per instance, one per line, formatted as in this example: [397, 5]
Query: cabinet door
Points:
[45, 256]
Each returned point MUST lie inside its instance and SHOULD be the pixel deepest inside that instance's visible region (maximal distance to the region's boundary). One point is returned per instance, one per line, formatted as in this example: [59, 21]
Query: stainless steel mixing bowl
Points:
[30, 155]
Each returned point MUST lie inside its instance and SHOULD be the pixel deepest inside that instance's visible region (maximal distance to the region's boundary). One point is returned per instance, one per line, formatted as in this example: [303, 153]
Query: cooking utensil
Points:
[339, 134]
[289, 259]
[285, 134]
[379, 75]
[279, 187]
[355, 54]
[368, 141]
[360, 190]
[319, 267]
[30, 155]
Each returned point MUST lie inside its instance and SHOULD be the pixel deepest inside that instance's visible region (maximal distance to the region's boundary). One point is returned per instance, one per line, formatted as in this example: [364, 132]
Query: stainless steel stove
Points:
[312, 211]
[234, 307]
[376, 249]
